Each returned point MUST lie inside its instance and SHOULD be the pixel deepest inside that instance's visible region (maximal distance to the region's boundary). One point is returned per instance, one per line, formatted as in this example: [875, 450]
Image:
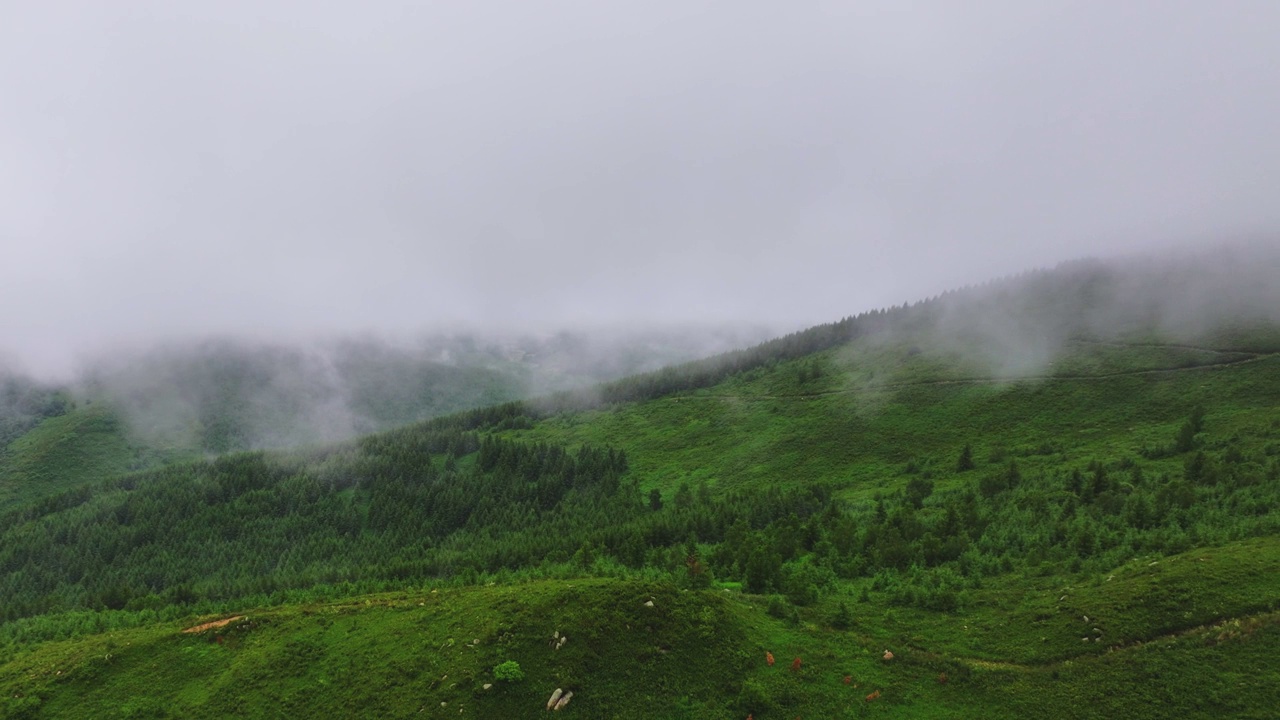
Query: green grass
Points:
[62, 452]
[1038, 619]
[856, 433]
[695, 654]
[394, 655]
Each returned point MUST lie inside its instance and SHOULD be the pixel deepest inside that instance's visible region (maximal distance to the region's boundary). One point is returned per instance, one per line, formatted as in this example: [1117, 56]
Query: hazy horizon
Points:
[285, 171]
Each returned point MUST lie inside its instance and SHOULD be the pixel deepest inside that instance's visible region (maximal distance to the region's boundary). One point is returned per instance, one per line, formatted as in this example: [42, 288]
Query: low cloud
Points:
[282, 170]
[231, 394]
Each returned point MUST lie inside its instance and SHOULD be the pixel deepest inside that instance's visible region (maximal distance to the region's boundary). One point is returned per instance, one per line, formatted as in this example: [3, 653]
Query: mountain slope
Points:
[1043, 500]
[431, 653]
[61, 452]
[184, 401]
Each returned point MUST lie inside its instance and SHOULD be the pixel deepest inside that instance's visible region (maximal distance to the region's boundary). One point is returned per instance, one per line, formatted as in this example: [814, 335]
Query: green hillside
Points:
[66, 451]
[702, 654]
[1050, 496]
[170, 403]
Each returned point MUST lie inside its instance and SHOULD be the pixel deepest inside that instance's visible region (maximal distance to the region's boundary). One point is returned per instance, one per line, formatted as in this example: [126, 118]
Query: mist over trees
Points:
[1008, 327]
[24, 402]
[225, 394]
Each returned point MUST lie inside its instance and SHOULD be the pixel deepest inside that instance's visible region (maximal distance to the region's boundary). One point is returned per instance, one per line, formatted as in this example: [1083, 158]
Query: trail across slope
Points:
[875, 386]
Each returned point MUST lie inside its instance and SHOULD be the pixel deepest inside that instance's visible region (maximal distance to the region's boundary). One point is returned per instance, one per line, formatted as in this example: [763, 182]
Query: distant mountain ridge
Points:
[169, 402]
[1015, 324]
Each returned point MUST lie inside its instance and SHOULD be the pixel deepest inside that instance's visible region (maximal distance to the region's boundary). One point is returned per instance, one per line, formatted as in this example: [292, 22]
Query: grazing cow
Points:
[564, 700]
[942, 678]
[888, 656]
[795, 664]
[768, 657]
[555, 697]
[873, 696]
[848, 679]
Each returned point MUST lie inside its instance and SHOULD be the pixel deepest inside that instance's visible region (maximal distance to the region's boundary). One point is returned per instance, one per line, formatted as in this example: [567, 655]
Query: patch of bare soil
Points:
[213, 625]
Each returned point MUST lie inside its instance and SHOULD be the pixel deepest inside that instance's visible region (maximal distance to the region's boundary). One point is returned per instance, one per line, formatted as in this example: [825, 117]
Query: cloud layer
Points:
[279, 168]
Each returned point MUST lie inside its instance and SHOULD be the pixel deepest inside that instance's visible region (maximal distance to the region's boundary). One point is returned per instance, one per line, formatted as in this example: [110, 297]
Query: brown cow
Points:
[873, 696]
[768, 657]
[795, 664]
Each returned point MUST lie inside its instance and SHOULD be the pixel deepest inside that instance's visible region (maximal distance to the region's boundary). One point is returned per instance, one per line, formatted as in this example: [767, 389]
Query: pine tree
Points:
[655, 500]
[842, 620]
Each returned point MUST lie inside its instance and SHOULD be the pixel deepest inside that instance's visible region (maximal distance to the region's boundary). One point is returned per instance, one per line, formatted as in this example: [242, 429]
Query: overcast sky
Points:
[283, 168]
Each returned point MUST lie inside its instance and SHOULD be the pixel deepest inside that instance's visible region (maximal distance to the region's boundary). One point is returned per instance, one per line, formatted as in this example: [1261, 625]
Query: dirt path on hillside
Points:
[213, 625]
[1167, 346]
[992, 381]
[1228, 629]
